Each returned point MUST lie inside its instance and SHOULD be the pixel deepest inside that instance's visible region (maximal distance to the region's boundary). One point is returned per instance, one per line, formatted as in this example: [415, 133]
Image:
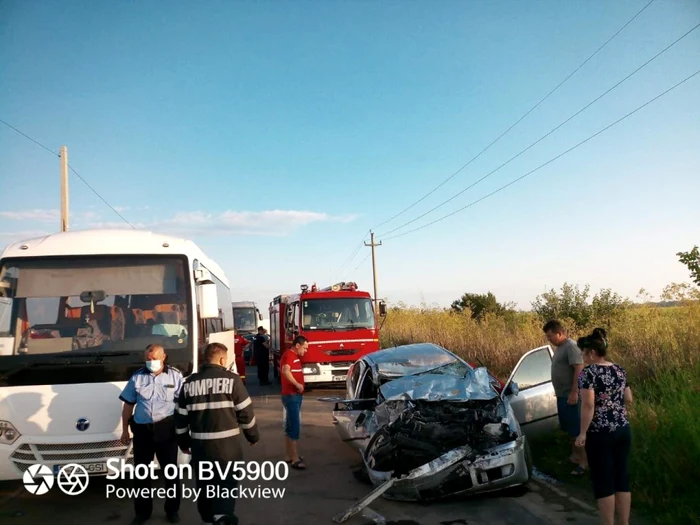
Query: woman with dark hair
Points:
[605, 428]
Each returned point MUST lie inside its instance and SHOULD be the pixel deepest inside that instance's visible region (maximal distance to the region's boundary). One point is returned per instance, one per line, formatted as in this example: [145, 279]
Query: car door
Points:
[534, 404]
[351, 415]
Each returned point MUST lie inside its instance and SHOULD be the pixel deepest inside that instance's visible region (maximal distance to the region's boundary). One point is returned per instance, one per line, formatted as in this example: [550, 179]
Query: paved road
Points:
[325, 489]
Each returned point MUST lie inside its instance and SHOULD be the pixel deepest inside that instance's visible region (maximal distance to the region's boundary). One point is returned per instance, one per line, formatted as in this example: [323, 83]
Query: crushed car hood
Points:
[430, 423]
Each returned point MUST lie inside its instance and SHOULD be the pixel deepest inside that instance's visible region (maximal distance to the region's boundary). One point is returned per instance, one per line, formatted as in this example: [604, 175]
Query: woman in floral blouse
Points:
[605, 428]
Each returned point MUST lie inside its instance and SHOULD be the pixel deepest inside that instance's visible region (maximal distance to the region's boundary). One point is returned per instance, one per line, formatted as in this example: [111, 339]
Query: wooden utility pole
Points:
[64, 189]
[374, 269]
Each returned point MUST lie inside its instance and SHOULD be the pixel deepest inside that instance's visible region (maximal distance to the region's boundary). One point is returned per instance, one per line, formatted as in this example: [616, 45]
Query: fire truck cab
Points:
[339, 323]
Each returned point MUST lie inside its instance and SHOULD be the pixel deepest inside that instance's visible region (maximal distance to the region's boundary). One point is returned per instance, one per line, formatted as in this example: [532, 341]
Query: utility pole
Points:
[374, 270]
[64, 189]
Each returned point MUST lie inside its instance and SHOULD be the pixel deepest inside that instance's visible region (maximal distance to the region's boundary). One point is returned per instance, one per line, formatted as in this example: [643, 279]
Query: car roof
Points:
[410, 359]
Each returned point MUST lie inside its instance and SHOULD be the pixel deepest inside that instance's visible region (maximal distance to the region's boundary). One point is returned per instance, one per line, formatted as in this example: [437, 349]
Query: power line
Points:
[100, 196]
[363, 261]
[30, 138]
[519, 120]
[549, 161]
[545, 135]
[72, 169]
[354, 253]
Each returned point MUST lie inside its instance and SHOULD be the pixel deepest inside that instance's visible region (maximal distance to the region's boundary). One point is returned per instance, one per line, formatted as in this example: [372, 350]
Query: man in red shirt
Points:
[292, 379]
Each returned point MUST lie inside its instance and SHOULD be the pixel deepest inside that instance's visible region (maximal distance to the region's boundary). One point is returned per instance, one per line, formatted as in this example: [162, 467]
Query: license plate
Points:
[91, 468]
[340, 378]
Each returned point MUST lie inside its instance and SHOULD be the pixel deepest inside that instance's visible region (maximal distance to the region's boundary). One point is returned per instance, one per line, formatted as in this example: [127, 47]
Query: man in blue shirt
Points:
[150, 400]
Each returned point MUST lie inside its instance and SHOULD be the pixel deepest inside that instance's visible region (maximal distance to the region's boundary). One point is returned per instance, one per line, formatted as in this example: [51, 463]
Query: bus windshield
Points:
[244, 319]
[337, 314]
[73, 306]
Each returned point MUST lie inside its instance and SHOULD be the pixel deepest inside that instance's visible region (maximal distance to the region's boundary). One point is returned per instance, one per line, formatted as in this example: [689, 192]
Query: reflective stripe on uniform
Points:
[210, 405]
[240, 406]
[182, 411]
[216, 435]
[181, 430]
[248, 425]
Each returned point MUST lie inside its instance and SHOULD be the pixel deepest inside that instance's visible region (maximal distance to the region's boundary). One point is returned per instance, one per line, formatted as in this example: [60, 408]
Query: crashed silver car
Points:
[429, 425]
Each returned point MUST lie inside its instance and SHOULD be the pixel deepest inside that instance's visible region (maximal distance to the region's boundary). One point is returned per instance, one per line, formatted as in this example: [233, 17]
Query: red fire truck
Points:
[338, 321]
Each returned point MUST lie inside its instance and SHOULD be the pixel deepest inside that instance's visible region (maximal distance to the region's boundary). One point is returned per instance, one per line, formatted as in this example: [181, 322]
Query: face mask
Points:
[154, 366]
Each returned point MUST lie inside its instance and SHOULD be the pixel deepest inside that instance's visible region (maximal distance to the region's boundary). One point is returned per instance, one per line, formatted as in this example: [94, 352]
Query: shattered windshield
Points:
[446, 384]
[414, 359]
[456, 368]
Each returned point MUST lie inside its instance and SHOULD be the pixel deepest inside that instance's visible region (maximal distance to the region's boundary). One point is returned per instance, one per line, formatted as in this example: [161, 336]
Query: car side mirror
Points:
[512, 389]
[382, 309]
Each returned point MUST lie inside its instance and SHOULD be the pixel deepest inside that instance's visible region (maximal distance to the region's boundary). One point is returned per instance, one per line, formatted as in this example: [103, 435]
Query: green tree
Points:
[569, 303]
[692, 260]
[680, 293]
[607, 306]
[572, 303]
[480, 305]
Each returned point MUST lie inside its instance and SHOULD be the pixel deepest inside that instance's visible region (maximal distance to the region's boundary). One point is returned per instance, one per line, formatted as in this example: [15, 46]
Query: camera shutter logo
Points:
[72, 479]
[38, 479]
[82, 424]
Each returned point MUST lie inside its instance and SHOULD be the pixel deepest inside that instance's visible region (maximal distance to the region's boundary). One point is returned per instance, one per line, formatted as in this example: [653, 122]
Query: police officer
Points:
[213, 409]
[150, 400]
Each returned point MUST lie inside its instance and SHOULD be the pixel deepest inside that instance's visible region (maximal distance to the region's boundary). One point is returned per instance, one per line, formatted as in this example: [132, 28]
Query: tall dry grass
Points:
[659, 347]
[646, 340]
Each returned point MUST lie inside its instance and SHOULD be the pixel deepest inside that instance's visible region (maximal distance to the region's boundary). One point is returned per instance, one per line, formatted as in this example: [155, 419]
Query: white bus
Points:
[77, 310]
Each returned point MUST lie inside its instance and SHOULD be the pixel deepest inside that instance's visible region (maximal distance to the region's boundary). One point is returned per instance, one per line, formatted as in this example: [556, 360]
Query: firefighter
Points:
[213, 408]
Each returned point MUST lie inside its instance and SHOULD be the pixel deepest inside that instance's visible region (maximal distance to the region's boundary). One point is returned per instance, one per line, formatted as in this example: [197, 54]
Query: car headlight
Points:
[8, 433]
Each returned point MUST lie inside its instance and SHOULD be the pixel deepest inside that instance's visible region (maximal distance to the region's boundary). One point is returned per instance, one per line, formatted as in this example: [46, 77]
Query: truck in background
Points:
[338, 321]
[246, 319]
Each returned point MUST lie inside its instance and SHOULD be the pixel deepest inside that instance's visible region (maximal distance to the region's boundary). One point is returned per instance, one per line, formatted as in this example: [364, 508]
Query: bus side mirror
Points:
[208, 301]
[382, 309]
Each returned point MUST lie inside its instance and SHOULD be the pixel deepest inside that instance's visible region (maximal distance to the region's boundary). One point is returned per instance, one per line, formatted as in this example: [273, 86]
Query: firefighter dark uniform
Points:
[261, 352]
[213, 409]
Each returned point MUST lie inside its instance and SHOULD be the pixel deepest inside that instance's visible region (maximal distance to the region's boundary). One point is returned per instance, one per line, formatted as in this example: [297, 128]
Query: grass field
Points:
[659, 347]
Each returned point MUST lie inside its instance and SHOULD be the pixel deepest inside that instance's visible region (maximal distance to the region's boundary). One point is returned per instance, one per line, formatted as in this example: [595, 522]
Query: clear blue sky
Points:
[275, 134]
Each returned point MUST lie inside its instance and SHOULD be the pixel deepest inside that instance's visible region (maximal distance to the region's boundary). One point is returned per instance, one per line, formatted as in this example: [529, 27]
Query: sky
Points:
[276, 135]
